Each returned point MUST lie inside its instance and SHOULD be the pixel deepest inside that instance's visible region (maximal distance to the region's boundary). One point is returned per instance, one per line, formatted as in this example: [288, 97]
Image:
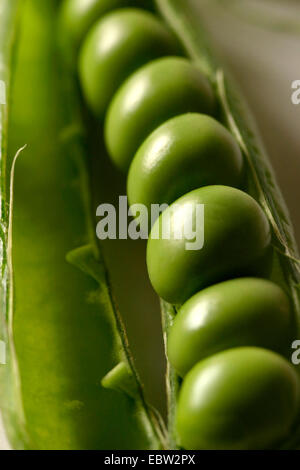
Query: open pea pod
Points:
[60, 323]
[61, 328]
[186, 20]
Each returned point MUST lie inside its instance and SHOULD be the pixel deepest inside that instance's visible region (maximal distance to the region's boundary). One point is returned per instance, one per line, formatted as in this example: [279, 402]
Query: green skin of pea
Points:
[242, 398]
[239, 312]
[236, 243]
[116, 46]
[185, 153]
[78, 16]
[157, 92]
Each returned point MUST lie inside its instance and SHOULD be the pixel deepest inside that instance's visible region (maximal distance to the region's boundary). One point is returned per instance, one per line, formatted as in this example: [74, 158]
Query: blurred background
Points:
[259, 42]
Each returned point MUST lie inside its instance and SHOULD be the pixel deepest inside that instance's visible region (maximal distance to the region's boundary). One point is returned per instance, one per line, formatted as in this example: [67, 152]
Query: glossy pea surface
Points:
[239, 312]
[157, 92]
[185, 153]
[243, 398]
[236, 242]
[117, 45]
[78, 16]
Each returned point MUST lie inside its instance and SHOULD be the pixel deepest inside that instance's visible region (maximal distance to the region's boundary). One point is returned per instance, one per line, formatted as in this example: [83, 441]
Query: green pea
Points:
[157, 92]
[243, 398]
[185, 153]
[239, 312]
[117, 45]
[236, 242]
[78, 16]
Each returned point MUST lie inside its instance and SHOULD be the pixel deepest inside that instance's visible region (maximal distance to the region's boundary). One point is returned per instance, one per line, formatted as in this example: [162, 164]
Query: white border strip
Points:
[2, 92]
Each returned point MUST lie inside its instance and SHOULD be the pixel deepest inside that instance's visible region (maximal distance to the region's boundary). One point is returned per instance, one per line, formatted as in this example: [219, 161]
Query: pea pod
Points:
[77, 17]
[13, 413]
[60, 325]
[185, 18]
[157, 92]
[131, 34]
[238, 312]
[241, 228]
[187, 152]
[243, 398]
[237, 241]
